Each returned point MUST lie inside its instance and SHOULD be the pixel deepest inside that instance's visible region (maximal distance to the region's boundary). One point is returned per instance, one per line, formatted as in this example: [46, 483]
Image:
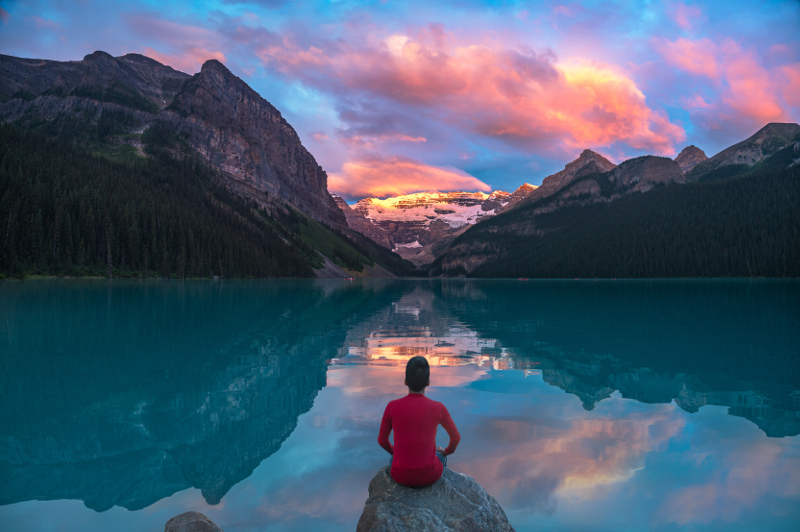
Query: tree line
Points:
[745, 226]
[64, 211]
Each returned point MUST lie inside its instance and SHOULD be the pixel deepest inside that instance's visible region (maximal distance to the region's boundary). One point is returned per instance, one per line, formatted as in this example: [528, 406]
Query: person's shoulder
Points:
[394, 402]
[434, 403]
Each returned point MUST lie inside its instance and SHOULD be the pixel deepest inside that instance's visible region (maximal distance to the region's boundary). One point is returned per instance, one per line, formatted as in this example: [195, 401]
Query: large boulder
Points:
[454, 502]
[191, 522]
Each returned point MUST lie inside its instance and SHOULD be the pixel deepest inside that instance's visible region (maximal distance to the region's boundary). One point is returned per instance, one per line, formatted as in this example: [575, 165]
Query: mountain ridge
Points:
[142, 115]
[216, 113]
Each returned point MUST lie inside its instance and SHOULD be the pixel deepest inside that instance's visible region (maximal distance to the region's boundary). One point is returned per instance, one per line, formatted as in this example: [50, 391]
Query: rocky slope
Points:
[764, 143]
[213, 113]
[518, 195]
[587, 163]
[690, 157]
[416, 226]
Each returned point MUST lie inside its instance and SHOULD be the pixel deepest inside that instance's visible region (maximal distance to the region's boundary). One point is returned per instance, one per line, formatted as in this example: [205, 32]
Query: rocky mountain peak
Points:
[416, 226]
[766, 141]
[100, 56]
[641, 174]
[518, 195]
[778, 129]
[588, 162]
[242, 134]
[690, 157]
[587, 157]
[213, 64]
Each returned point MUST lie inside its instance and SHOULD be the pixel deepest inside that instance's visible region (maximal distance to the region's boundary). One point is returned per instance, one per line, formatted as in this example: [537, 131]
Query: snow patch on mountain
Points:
[456, 209]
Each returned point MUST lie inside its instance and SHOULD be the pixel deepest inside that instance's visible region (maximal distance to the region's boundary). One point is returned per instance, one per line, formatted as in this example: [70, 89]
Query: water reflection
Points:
[127, 393]
[574, 400]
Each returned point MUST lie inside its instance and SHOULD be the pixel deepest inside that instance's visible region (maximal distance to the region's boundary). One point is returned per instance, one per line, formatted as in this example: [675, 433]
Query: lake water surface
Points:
[582, 405]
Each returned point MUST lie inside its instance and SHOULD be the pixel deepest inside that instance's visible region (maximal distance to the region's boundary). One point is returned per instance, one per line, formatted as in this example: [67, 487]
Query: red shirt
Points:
[415, 419]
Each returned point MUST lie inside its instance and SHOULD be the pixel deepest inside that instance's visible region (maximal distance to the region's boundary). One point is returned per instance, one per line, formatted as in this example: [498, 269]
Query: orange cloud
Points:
[520, 98]
[751, 90]
[381, 177]
[188, 60]
[576, 458]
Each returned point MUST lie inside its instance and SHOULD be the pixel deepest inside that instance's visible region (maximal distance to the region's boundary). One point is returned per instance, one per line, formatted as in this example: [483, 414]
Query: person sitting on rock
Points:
[416, 460]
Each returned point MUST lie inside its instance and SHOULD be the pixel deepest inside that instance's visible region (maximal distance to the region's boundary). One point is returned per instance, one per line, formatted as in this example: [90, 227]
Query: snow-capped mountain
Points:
[416, 225]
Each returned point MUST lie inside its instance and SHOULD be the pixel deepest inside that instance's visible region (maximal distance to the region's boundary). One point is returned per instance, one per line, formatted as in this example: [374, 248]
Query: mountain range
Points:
[246, 174]
[254, 177]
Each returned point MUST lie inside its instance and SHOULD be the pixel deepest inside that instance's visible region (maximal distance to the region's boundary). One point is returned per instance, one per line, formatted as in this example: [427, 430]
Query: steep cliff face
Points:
[216, 114]
[418, 226]
[239, 132]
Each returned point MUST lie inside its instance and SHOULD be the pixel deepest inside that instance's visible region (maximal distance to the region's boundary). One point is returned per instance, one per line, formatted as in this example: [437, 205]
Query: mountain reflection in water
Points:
[126, 393]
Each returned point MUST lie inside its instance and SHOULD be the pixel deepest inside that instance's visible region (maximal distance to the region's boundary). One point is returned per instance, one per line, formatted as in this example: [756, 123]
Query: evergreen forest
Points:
[739, 222]
[68, 212]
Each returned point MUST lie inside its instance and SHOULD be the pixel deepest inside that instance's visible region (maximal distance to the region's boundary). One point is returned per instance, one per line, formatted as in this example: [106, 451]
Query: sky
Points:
[402, 97]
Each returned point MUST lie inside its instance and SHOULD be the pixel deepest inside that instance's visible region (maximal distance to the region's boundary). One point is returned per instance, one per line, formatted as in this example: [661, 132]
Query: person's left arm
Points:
[447, 422]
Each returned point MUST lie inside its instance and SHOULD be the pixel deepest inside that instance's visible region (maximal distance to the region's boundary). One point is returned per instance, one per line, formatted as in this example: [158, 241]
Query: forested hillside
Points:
[65, 211]
[745, 226]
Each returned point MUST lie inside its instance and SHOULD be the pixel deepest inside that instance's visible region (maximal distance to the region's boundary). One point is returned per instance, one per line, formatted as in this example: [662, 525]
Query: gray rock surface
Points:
[191, 522]
[640, 174]
[455, 502]
[258, 153]
[420, 239]
[690, 157]
[765, 142]
[587, 163]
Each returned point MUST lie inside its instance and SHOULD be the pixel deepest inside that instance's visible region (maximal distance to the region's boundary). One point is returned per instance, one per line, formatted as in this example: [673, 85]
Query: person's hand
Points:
[440, 450]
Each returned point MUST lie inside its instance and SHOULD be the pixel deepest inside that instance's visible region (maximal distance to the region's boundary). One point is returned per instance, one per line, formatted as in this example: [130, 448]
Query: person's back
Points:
[416, 461]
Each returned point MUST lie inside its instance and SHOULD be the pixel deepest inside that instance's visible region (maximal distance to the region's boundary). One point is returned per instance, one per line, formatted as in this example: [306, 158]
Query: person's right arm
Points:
[452, 431]
[386, 429]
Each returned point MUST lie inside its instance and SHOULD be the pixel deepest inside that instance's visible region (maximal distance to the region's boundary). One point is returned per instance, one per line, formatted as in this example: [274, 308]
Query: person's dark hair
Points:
[418, 373]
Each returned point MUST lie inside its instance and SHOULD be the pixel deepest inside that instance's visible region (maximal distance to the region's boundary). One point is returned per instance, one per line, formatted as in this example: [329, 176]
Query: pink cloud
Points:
[319, 136]
[4, 16]
[182, 46]
[791, 85]
[749, 91]
[370, 141]
[390, 176]
[697, 57]
[520, 98]
[40, 23]
[188, 60]
[684, 15]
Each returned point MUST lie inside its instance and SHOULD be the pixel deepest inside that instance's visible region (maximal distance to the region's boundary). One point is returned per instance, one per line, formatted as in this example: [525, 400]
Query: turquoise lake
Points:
[582, 405]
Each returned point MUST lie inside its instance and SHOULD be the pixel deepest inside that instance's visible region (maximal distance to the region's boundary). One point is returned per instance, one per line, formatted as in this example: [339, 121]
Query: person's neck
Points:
[418, 393]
